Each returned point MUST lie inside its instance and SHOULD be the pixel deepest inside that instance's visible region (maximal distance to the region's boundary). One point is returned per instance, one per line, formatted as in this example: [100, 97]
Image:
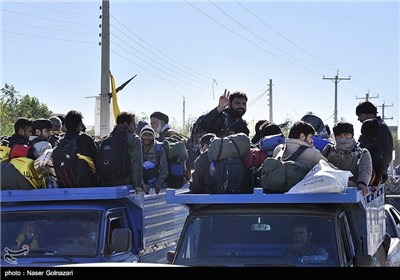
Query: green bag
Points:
[175, 148]
[279, 177]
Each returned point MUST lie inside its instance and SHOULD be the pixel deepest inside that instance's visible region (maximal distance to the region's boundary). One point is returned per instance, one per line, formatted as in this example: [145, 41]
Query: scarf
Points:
[345, 145]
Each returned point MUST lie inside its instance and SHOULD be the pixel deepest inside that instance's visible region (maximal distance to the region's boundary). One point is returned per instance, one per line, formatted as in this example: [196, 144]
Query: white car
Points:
[392, 216]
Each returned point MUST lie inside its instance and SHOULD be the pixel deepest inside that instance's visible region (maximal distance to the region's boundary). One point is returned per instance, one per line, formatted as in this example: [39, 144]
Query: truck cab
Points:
[46, 227]
[258, 229]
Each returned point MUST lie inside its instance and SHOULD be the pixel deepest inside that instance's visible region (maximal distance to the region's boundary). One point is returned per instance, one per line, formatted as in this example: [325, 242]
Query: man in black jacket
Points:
[230, 109]
[366, 110]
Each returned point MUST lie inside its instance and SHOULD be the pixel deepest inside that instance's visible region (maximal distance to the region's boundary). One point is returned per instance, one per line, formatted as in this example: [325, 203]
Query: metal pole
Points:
[271, 115]
[105, 69]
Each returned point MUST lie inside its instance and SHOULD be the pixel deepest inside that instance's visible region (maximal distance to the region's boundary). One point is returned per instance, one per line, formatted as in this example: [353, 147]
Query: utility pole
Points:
[383, 106]
[367, 97]
[336, 80]
[105, 69]
[183, 118]
[271, 118]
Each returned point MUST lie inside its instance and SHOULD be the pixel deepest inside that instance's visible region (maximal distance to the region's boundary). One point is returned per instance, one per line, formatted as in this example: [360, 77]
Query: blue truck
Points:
[49, 227]
[342, 229]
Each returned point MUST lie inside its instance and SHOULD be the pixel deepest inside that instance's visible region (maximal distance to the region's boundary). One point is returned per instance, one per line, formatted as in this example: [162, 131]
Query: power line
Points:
[336, 80]
[42, 18]
[383, 106]
[280, 34]
[355, 81]
[53, 10]
[48, 28]
[207, 78]
[157, 62]
[158, 75]
[183, 81]
[250, 42]
[367, 97]
[49, 38]
[262, 39]
[177, 62]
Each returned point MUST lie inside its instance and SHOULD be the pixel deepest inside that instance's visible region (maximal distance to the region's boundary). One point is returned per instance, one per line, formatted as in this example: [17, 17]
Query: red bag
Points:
[254, 158]
[19, 150]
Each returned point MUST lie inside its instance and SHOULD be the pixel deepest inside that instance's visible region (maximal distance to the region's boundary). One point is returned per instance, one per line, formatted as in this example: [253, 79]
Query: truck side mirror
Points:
[121, 240]
[363, 260]
[170, 256]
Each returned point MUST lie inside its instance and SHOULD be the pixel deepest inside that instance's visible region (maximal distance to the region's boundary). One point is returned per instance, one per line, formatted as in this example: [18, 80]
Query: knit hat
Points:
[370, 128]
[366, 108]
[140, 125]
[147, 128]
[160, 116]
[315, 121]
[343, 127]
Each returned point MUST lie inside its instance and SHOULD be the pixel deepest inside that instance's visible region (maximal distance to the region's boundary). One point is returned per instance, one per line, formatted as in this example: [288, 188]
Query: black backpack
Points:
[113, 162]
[65, 161]
[229, 175]
[196, 133]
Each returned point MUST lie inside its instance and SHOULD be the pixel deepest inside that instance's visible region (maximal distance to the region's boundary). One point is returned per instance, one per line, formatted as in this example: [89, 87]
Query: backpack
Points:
[268, 143]
[278, 176]
[254, 158]
[229, 175]
[320, 143]
[24, 150]
[150, 169]
[71, 171]
[113, 162]
[177, 155]
[196, 133]
[65, 159]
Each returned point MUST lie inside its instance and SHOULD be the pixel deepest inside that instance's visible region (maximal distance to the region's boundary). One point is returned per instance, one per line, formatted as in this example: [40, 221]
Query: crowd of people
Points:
[31, 156]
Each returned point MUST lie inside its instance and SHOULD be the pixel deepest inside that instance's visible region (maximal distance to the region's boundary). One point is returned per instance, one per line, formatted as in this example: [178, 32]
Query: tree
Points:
[14, 106]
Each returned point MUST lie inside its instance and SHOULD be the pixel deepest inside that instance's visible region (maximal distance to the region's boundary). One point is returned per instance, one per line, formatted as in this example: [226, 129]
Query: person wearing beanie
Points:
[139, 126]
[155, 164]
[366, 110]
[368, 140]
[345, 154]
[41, 132]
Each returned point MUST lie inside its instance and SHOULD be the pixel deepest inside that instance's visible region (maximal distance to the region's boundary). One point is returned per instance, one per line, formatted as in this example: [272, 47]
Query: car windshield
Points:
[50, 234]
[258, 240]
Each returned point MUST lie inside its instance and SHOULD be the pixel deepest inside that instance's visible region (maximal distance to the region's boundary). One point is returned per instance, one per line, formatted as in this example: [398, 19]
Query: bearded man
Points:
[230, 109]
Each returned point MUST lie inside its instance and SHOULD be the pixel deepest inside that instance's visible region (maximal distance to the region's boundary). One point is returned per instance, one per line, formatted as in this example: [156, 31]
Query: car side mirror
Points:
[363, 261]
[170, 256]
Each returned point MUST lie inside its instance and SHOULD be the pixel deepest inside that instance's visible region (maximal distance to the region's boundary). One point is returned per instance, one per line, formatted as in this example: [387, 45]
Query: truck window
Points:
[115, 219]
[50, 233]
[258, 240]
